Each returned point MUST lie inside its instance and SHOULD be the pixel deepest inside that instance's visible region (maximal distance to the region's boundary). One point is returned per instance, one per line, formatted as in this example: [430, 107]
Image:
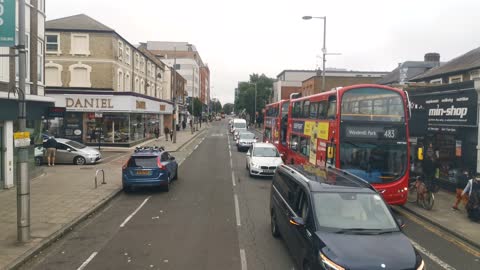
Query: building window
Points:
[53, 74]
[53, 43]
[40, 63]
[137, 85]
[27, 52]
[127, 54]
[142, 86]
[127, 81]
[142, 64]
[120, 51]
[148, 69]
[436, 81]
[120, 81]
[80, 75]
[80, 44]
[455, 79]
[137, 61]
[41, 5]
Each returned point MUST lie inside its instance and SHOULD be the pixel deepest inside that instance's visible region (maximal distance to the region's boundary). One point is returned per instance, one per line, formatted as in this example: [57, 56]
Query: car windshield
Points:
[265, 152]
[359, 211]
[376, 163]
[247, 136]
[76, 145]
[240, 125]
[143, 162]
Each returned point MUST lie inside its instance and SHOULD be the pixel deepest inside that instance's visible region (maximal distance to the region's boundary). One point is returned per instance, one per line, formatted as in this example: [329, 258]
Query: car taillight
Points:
[160, 165]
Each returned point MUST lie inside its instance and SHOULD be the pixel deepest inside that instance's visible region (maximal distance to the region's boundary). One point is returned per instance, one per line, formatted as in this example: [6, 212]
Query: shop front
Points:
[112, 119]
[444, 123]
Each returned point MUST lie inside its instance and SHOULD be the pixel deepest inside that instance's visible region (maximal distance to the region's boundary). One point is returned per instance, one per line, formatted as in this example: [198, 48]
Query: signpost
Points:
[7, 23]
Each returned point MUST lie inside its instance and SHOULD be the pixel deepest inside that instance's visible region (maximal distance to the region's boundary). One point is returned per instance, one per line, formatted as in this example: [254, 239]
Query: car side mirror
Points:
[69, 149]
[172, 158]
[401, 223]
[297, 221]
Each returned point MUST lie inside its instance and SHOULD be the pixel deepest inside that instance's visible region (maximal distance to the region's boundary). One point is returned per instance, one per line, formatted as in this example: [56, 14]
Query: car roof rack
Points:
[149, 149]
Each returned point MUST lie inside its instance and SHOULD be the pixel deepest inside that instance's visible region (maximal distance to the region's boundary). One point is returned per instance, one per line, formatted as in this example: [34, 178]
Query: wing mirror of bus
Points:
[330, 152]
[420, 153]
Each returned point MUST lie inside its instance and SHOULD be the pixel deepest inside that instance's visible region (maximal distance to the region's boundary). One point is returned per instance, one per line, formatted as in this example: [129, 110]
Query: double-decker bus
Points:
[276, 123]
[362, 129]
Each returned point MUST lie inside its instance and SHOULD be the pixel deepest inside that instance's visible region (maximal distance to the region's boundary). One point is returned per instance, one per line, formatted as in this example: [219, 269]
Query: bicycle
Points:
[420, 193]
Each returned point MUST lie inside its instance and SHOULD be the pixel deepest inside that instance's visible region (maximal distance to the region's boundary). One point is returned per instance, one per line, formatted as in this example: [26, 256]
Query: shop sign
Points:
[73, 125]
[56, 112]
[141, 105]
[21, 139]
[89, 103]
[98, 115]
[7, 23]
[458, 108]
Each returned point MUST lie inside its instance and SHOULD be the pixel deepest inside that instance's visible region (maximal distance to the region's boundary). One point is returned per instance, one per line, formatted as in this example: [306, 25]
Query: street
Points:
[214, 217]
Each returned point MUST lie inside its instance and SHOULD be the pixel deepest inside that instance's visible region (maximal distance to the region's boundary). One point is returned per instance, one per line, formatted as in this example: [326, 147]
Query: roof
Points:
[413, 69]
[264, 145]
[465, 62]
[320, 179]
[296, 70]
[80, 22]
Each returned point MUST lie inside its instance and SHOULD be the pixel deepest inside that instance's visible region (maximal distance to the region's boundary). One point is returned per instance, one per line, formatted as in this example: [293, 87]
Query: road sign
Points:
[7, 23]
[21, 139]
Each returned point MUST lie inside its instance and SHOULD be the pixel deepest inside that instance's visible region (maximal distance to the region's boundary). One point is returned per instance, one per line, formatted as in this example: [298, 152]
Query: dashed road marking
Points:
[233, 179]
[243, 259]
[134, 212]
[237, 210]
[195, 148]
[430, 255]
[86, 262]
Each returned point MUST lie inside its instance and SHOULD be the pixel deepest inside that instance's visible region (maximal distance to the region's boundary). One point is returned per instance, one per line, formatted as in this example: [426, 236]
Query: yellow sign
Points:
[322, 130]
[21, 135]
[308, 128]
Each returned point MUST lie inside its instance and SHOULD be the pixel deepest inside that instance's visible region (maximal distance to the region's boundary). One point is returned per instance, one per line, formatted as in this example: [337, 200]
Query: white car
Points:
[245, 140]
[238, 125]
[263, 159]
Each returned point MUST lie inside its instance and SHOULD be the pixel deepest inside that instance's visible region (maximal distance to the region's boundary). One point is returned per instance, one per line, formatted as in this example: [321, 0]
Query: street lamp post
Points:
[324, 49]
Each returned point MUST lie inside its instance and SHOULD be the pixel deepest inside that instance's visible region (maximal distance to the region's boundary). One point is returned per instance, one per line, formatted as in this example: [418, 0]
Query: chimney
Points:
[432, 57]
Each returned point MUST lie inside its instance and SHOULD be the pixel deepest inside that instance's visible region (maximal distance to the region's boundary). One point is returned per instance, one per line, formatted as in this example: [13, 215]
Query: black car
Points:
[332, 220]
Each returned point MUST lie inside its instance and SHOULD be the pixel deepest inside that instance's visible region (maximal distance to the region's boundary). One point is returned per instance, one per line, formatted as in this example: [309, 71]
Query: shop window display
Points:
[116, 128]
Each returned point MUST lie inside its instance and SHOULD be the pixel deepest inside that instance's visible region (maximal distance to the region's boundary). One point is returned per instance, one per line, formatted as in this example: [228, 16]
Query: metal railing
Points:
[103, 177]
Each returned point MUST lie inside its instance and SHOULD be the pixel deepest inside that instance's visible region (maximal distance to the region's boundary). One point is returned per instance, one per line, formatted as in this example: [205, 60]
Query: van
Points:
[237, 126]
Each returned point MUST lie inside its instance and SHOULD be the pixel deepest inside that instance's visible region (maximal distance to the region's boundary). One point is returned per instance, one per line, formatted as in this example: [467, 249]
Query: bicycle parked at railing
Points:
[421, 192]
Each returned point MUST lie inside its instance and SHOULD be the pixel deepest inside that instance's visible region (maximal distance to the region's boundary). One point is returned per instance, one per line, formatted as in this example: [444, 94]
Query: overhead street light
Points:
[324, 49]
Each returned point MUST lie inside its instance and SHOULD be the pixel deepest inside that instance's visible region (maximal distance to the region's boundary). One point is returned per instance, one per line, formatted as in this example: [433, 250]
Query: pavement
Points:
[64, 196]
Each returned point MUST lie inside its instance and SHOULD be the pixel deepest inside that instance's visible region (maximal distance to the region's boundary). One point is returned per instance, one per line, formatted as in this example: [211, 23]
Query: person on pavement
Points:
[166, 131]
[51, 146]
[473, 191]
[462, 182]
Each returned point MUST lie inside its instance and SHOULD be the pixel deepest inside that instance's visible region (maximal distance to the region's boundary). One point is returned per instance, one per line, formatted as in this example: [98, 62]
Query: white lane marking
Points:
[237, 210]
[231, 164]
[230, 153]
[84, 264]
[195, 148]
[243, 259]
[233, 179]
[134, 212]
[434, 258]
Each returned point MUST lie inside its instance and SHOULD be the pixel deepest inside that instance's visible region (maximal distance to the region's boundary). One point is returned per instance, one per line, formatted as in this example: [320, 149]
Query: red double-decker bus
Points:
[276, 123]
[362, 129]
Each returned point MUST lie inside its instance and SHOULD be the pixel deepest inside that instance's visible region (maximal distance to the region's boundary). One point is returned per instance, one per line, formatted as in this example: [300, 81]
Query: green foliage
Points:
[197, 104]
[217, 106]
[228, 108]
[246, 95]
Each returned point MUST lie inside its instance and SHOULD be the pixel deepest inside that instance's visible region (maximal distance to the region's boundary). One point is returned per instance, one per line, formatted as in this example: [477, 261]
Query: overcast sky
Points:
[240, 37]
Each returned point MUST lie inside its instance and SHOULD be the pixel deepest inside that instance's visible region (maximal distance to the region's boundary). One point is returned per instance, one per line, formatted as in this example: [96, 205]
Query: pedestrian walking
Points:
[93, 135]
[184, 124]
[462, 182]
[171, 135]
[473, 191]
[51, 146]
[157, 132]
[166, 130]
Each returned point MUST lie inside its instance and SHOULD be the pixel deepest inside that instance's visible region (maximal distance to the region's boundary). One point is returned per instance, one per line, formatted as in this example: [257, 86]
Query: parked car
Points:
[245, 140]
[237, 125]
[69, 152]
[218, 118]
[331, 219]
[263, 159]
[149, 167]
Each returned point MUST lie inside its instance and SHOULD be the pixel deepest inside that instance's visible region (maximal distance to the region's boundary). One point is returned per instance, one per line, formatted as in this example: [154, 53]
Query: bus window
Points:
[268, 134]
[313, 110]
[294, 142]
[304, 146]
[297, 110]
[332, 108]
[322, 110]
[306, 109]
[285, 108]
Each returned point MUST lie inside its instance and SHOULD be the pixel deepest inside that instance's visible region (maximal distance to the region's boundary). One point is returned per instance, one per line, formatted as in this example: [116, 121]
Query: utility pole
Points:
[255, 112]
[193, 90]
[23, 181]
[174, 97]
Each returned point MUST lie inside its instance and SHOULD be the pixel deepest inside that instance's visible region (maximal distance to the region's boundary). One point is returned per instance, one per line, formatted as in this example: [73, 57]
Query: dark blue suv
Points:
[332, 220]
[149, 167]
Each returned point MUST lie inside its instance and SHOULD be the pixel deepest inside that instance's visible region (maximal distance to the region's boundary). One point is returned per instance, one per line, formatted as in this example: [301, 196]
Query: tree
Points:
[217, 106]
[246, 95]
[228, 108]
[197, 104]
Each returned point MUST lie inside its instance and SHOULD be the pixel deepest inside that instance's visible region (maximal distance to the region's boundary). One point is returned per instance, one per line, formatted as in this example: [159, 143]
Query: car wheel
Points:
[127, 188]
[38, 161]
[250, 173]
[176, 173]
[79, 161]
[246, 165]
[274, 226]
[167, 187]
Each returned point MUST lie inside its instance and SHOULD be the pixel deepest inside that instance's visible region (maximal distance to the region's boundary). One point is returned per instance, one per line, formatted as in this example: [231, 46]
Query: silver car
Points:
[245, 140]
[69, 152]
